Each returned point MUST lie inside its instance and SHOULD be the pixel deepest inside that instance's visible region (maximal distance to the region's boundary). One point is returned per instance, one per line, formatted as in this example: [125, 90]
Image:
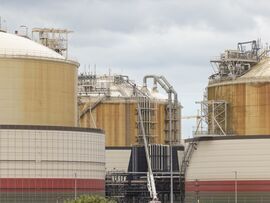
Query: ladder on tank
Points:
[185, 163]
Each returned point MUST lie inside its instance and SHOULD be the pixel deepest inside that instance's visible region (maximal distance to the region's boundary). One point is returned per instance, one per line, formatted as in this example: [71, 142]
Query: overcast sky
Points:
[174, 38]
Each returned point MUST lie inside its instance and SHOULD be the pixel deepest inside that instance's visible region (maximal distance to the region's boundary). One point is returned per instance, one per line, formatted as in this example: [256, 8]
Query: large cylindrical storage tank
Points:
[44, 156]
[110, 103]
[50, 164]
[229, 169]
[235, 167]
[37, 85]
[248, 99]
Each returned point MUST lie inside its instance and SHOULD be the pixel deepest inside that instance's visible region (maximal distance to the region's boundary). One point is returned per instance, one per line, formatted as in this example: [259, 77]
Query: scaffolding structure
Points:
[149, 118]
[55, 39]
[175, 122]
[212, 118]
[173, 109]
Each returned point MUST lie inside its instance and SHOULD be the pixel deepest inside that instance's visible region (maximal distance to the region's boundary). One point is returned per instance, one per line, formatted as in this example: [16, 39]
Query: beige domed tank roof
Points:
[258, 73]
[14, 45]
[260, 70]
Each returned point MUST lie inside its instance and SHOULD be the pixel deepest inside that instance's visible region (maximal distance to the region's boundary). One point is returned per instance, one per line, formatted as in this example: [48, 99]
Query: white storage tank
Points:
[224, 168]
[49, 164]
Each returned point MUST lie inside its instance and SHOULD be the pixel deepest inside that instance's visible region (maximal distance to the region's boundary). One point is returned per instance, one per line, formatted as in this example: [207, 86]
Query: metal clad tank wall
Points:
[211, 172]
[38, 92]
[248, 106]
[120, 129]
[118, 118]
[50, 163]
[161, 116]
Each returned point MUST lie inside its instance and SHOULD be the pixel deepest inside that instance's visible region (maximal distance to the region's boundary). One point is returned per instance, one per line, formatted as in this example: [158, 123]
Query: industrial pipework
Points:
[173, 106]
[161, 80]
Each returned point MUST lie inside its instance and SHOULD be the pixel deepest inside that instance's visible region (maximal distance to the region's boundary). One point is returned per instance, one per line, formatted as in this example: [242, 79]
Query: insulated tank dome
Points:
[11, 44]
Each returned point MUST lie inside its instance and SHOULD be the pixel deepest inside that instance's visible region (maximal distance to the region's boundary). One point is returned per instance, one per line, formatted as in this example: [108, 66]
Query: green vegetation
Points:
[91, 199]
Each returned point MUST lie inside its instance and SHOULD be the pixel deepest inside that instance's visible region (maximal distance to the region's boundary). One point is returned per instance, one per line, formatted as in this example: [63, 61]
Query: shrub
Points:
[91, 199]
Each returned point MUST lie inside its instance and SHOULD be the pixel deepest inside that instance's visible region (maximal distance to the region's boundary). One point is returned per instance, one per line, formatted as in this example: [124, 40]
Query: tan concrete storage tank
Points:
[248, 100]
[37, 85]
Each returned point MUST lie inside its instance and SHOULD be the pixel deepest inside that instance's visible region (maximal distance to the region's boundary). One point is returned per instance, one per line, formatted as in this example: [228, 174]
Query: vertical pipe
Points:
[75, 186]
[202, 118]
[170, 136]
[225, 118]
[213, 117]
[66, 45]
[235, 185]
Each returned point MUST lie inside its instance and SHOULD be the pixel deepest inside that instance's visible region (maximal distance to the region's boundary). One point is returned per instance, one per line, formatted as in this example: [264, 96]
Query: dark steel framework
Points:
[132, 186]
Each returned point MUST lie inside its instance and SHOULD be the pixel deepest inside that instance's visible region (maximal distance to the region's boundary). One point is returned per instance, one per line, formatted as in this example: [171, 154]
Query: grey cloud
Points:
[133, 16]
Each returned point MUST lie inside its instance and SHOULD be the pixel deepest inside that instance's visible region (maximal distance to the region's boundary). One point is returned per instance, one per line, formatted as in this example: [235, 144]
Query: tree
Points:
[91, 199]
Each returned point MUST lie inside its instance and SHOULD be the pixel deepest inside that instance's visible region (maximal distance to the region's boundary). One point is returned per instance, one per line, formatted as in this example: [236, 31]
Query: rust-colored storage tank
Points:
[113, 105]
[118, 118]
[234, 166]
[248, 99]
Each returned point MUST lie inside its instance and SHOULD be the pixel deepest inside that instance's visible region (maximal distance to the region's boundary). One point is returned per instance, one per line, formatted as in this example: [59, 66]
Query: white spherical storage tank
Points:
[50, 164]
[229, 169]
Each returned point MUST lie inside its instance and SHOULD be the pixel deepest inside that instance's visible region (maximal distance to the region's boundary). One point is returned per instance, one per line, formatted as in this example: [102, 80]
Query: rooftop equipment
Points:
[234, 63]
[2, 23]
[55, 39]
